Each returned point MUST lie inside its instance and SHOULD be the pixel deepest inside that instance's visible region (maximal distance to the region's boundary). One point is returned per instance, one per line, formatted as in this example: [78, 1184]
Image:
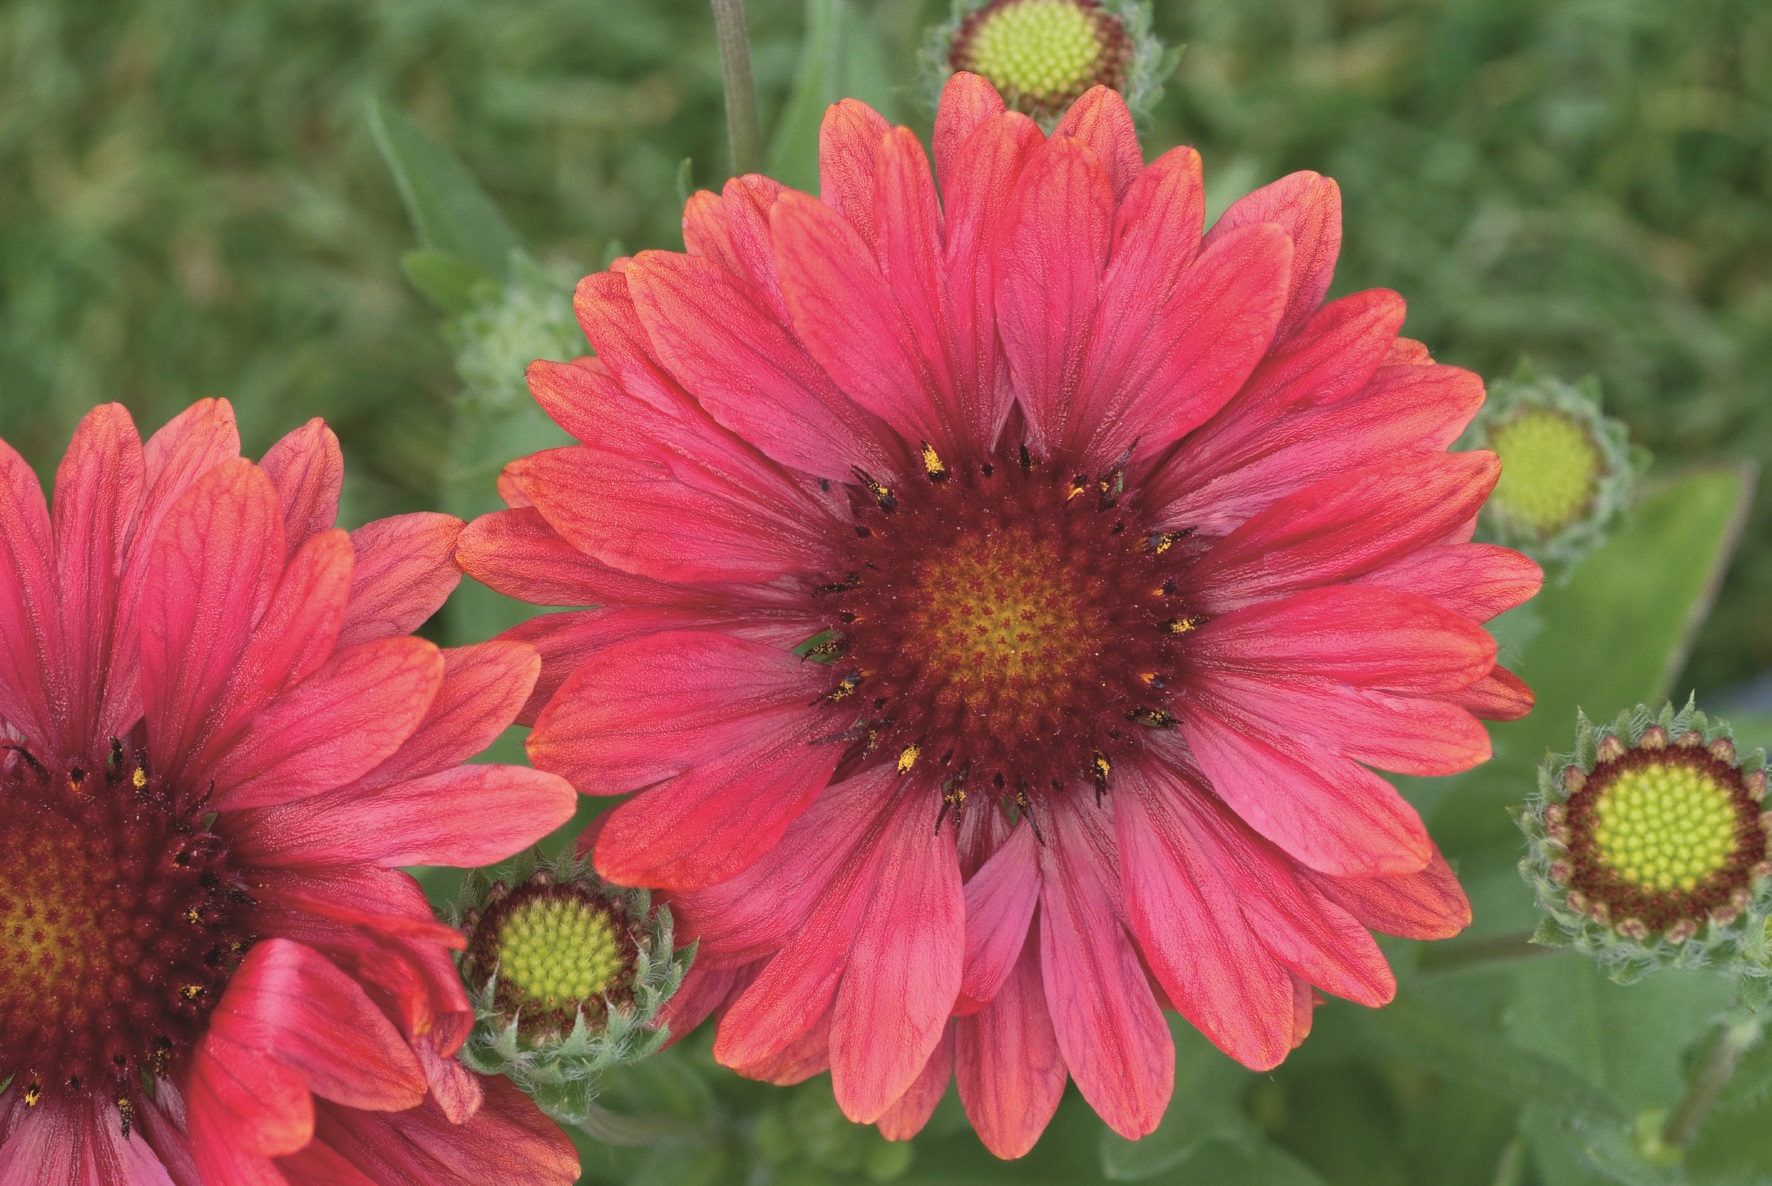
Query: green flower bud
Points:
[1566, 468]
[1648, 846]
[1043, 54]
[567, 975]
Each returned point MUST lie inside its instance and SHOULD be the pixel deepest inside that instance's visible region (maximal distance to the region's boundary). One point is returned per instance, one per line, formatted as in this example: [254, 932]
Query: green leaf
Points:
[448, 282]
[450, 212]
[1628, 1041]
[1454, 1046]
[1227, 1163]
[838, 59]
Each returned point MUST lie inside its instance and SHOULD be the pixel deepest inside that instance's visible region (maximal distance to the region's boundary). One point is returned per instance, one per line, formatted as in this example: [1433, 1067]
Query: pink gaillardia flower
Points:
[1004, 599]
[220, 741]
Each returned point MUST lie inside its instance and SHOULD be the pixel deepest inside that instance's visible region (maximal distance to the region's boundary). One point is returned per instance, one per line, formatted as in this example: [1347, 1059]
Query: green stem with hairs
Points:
[1488, 949]
[743, 134]
[1739, 1034]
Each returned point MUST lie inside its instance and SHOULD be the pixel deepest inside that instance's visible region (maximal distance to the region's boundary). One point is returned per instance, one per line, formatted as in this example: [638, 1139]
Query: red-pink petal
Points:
[1499, 696]
[308, 471]
[289, 1005]
[1402, 733]
[1351, 634]
[1007, 1062]
[1476, 580]
[906, 1117]
[1051, 259]
[1000, 901]
[672, 523]
[1185, 912]
[333, 727]
[1151, 375]
[1429, 904]
[1321, 807]
[1108, 1024]
[216, 561]
[1100, 120]
[904, 967]
[98, 496]
[1308, 207]
[847, 141]
[1342, 526]
[845, 315]
[750, 373]
[976, 194]
[28, 615]
[765, 907]
[967, 101]
[466, 816]
[297, 633]
[483, 687]
[404, 572]
[723, 726]
[1306, 932]
[796, 988]
[508, 1142]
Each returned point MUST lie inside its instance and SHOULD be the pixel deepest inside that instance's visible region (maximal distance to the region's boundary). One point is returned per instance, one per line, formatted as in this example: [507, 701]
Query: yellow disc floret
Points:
[1550, 470]
[1666, 826]
[558, 951]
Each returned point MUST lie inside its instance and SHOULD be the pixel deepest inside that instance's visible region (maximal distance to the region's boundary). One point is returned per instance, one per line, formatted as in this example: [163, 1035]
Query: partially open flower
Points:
[567, 974]
[1648, 844]
[1042, 55]
[1566, 467]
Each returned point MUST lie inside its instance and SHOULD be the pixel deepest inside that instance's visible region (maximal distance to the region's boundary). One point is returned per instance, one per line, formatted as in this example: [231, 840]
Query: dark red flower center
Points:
[1010, 627]
[120, 924]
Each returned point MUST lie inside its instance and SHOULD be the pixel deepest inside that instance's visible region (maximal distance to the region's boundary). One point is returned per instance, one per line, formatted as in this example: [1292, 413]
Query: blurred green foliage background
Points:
[191, 204]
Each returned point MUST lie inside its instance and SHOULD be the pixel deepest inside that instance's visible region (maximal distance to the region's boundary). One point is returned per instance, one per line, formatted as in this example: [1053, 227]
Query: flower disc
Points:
[1011, 625]
[1661, 835]
[120, 925]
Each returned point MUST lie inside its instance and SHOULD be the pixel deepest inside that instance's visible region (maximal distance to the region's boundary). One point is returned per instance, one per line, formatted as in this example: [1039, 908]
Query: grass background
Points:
[191, 204]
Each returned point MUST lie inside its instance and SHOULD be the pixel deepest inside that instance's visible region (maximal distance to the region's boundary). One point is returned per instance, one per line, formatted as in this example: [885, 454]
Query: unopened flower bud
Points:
[1041, 55]
[1649, 854]
[1566, 468]
[567, 974]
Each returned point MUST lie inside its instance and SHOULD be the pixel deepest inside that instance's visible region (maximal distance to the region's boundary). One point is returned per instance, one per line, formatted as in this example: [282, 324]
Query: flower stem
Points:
[743, 135]
[1739, 1034]
[1489, 949]
[630, 1132]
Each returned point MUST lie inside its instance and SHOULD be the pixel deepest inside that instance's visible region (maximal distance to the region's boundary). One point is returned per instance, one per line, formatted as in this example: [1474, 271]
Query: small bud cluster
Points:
[1567, 469]
[529, 317]
[1648, 847]
[567, 975]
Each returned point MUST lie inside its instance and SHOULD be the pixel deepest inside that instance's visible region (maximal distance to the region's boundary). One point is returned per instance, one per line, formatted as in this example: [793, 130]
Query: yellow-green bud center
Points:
[560, 951]
[553, 950]
[1550, 470]
[1042, 54]
[1666, 826]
